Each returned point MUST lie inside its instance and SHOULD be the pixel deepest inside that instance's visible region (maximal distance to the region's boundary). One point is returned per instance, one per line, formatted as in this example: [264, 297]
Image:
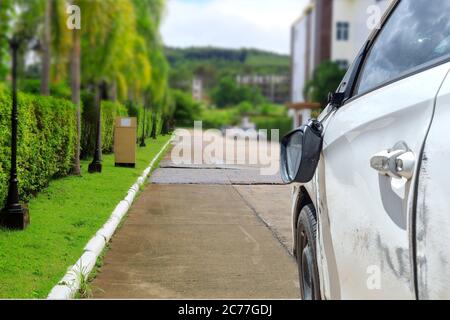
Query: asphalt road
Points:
[211, 230]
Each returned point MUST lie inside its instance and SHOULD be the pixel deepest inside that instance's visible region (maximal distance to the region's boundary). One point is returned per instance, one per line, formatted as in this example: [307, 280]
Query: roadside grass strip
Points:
[78, 273]
[64, 217]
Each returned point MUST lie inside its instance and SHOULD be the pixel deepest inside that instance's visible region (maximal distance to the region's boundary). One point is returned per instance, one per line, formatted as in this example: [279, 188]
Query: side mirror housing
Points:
[300, 153]
[336, 99]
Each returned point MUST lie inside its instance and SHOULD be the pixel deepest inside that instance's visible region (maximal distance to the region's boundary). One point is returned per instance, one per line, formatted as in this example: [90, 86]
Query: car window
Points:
[416, 34]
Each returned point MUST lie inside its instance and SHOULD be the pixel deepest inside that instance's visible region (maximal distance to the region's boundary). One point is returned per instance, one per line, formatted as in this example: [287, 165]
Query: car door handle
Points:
[398, 162]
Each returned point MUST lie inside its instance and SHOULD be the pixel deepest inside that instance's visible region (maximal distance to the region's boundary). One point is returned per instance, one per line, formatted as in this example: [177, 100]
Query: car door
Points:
[433, 203]
[372, 145]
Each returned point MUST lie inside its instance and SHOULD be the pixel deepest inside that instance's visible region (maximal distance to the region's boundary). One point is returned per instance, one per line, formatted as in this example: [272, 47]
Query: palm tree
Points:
[75, 83]
[108, 46]
[149, 14]
[33, 26]
[46, 49]
[5, 5]
[118, 44]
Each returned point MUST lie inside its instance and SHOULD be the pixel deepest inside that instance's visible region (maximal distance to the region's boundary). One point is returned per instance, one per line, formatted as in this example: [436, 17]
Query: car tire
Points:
[307, 255]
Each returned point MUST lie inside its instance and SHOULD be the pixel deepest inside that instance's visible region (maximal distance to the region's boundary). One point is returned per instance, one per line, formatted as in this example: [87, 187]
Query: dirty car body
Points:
[380, 190]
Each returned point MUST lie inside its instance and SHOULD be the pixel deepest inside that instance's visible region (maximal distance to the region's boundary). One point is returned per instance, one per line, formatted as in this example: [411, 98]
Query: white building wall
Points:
[355, 12]
[299, 57]
[312, 39]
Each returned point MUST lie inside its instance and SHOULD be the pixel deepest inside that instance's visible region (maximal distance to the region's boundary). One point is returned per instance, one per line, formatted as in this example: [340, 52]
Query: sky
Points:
[261, 24]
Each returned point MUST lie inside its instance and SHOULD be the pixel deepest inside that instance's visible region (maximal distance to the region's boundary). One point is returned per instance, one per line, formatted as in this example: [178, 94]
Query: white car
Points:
[371, 206]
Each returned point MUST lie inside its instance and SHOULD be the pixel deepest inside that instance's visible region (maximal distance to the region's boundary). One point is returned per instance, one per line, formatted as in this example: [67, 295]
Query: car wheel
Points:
[306, 254]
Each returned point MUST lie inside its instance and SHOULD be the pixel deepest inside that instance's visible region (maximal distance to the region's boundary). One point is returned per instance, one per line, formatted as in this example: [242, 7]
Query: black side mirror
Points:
[300, 153]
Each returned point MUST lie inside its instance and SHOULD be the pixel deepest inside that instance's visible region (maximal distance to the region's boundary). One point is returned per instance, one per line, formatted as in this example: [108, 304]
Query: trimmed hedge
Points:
[47, 137]
[110, 110]
[46, 141]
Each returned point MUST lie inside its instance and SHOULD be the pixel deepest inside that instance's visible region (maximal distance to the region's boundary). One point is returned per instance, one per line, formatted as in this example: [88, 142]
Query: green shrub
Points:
[228, 93]
[269, 109]
[46, 141]
[216, 118]
[186, 109]
[326, 78]
[33, 86]
[282, 123]
[61, 90]
[137, 111]
[110, 110]
[245, 108]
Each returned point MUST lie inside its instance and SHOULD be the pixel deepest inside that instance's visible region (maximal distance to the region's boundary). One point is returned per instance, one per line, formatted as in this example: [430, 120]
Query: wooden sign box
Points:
[125, 142]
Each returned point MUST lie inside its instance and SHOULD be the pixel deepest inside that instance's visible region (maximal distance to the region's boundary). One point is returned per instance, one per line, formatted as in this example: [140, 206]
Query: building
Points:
[197, 89]
[275, 88]
[328, 30]
[353, 21]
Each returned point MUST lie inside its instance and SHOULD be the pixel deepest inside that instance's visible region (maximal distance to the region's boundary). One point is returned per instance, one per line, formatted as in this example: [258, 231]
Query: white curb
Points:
[70, 283]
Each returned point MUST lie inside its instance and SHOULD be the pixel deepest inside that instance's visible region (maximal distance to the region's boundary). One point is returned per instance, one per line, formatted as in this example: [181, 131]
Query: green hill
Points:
[249, 57]
[213, 63]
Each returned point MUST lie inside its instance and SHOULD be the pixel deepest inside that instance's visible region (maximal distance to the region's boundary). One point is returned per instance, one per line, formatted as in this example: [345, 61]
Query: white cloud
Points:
[263, 24]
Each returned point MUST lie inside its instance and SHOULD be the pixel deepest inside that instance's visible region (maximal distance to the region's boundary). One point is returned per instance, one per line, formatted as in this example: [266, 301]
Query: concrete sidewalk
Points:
[190, 241]
[194, 233]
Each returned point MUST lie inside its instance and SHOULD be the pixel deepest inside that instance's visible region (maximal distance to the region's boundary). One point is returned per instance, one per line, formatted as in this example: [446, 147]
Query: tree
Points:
[5, 7]
[75, 84]
[225, 93]
[107, 40]
[326, 78]
[62, 41]
[148, 17]
[46, 49]
[118, 45]
[42, 23]
[228, 93]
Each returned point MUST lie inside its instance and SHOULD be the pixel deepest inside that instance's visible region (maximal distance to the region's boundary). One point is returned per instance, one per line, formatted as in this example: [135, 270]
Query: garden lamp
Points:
[14, 216]
[96, 165]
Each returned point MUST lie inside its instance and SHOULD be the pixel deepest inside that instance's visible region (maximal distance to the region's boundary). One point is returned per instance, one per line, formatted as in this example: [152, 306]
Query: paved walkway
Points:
[193, 233]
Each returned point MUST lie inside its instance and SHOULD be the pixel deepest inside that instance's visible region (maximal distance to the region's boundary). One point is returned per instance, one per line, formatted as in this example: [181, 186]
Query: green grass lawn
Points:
[63, 219]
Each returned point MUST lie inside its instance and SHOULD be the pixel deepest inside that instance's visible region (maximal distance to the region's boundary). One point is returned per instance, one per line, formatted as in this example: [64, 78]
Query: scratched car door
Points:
[433, 203]
[371, 148]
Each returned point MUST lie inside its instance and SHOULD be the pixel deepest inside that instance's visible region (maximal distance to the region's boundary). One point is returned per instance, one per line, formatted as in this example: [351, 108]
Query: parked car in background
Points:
[374, 221]
[246, 130]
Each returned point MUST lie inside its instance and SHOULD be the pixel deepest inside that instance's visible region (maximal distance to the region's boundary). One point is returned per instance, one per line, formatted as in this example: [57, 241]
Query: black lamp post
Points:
[14, 216]
[96, 165]
[143, 144]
